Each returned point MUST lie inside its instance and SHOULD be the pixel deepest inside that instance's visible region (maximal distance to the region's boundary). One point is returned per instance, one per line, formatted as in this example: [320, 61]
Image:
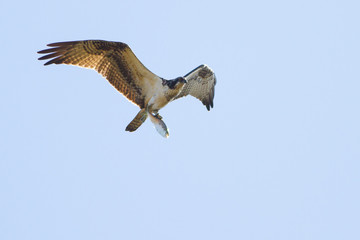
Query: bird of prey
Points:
[118, 64]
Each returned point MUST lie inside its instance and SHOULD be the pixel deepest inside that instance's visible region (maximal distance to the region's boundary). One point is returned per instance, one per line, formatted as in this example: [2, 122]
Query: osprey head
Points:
[181, 80]
[176, 83]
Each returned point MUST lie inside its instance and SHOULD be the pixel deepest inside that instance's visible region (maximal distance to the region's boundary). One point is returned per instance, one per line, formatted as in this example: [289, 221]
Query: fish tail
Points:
[159, 124]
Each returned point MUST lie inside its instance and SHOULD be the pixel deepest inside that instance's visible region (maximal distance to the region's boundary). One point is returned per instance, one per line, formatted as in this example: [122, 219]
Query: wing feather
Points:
[114, 60]
[201, 85]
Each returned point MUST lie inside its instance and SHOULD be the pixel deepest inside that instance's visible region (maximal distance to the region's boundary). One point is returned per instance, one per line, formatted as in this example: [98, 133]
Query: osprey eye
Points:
[181, 79]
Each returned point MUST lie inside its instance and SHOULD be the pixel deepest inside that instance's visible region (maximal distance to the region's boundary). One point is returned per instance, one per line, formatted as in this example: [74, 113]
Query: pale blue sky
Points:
[277, 157]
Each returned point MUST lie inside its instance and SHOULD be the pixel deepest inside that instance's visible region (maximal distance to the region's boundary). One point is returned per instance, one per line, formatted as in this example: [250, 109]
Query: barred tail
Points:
[137, 121]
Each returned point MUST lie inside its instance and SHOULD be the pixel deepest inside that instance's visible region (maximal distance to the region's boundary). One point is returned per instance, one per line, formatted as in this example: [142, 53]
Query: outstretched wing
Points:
[200, 84]
[114, 60]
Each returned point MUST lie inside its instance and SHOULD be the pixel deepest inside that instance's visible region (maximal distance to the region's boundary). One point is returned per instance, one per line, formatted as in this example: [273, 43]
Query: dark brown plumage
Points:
[113, 60]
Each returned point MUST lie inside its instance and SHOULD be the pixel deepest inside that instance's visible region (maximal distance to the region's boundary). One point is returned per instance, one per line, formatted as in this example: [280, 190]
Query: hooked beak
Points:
[182, 80]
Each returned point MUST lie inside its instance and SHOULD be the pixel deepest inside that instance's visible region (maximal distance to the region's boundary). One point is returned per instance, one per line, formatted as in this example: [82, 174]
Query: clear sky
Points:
[276, 158]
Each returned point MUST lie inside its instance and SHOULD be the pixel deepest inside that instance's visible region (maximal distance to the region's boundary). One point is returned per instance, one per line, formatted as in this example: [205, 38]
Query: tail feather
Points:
[137, 121]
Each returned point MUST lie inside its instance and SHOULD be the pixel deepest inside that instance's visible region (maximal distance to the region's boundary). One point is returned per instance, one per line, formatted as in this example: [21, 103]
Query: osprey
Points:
[119, 65]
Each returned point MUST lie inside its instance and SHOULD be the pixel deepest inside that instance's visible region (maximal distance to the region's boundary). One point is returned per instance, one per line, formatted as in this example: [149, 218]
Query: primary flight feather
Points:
[119, 65]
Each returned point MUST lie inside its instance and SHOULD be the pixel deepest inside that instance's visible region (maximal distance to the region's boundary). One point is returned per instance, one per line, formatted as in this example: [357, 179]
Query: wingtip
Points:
[45, 64]
[52, 44]
[59, 44]
[209, 106]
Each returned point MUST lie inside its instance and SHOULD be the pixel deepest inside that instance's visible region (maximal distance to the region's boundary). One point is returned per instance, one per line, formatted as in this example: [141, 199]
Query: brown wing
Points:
[200, 84]
[114, 60]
